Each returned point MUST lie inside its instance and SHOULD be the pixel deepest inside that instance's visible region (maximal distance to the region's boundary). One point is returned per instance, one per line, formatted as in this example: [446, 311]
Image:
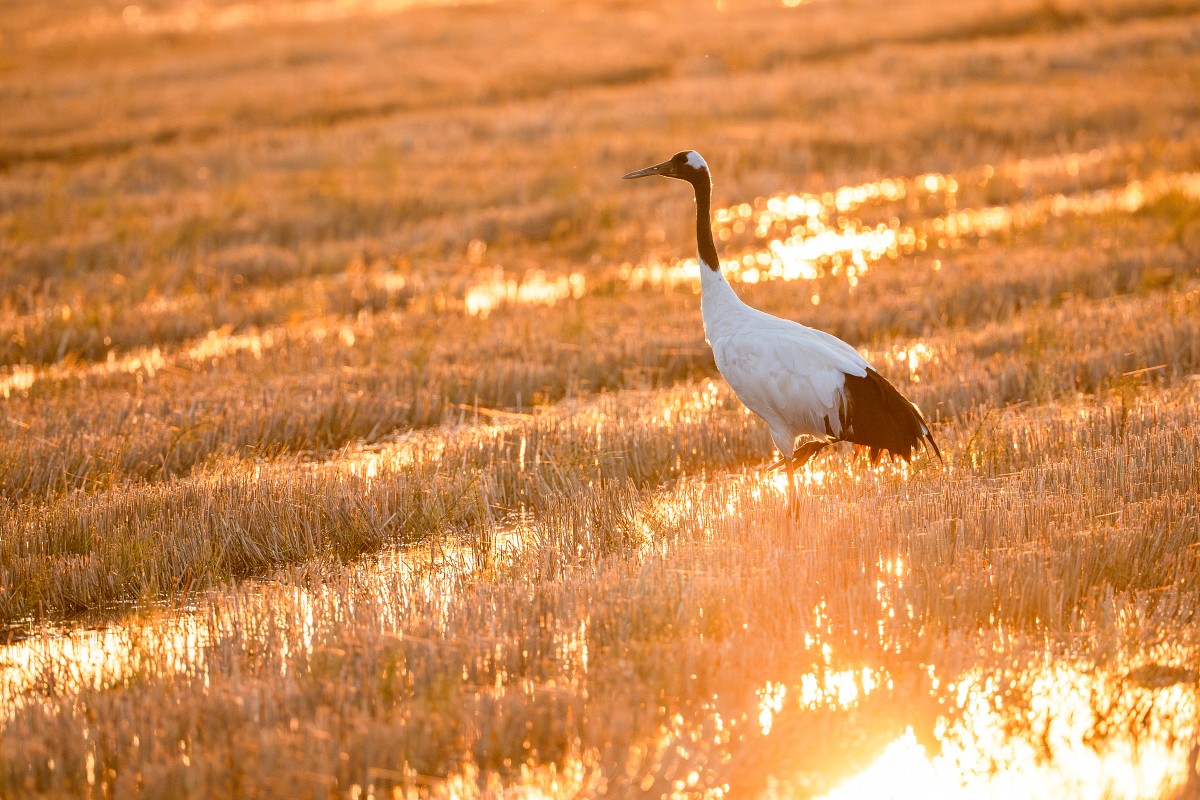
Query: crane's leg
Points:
[801, 456]
[793, 501]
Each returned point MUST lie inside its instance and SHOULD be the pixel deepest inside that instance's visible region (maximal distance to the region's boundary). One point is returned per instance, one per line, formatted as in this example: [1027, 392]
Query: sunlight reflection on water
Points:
[794, 237]
[1055, 728]
[812, 236]
[1080, 735]
[59, 660]
[532, 288]
[203, 15]
[146, 362]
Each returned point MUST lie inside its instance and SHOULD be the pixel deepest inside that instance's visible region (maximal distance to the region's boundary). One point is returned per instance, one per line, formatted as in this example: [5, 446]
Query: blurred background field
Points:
[360, 438]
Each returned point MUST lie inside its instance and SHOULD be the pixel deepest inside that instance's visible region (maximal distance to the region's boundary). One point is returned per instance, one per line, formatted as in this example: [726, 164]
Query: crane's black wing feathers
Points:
[877, 416]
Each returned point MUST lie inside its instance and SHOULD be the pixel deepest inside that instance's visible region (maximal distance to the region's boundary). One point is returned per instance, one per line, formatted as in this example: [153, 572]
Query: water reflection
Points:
[912, 358]
[787, 237]
[793, 237]
[1055, 728]
[147, 362]
[144, 362]
[532, 288]
[1075, 733]
[203, 15]
[54, 661]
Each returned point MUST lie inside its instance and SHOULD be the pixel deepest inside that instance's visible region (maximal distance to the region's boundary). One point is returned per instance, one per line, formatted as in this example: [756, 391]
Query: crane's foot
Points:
[800, 457]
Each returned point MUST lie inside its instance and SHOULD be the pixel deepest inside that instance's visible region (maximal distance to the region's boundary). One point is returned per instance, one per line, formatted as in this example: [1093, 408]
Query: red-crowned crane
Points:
[809, 386]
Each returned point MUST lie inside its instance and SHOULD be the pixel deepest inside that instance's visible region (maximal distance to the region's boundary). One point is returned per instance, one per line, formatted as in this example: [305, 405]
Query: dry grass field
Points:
[360, 438]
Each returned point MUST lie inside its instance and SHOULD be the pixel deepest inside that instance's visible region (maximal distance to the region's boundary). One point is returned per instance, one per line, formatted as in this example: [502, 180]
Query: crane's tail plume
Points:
[877, 416]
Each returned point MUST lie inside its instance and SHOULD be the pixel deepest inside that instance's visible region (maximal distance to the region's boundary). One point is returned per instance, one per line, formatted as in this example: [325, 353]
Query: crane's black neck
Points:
[704, 237]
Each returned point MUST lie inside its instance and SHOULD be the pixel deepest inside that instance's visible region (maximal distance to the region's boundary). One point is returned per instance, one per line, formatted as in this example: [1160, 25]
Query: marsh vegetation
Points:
[360, 436]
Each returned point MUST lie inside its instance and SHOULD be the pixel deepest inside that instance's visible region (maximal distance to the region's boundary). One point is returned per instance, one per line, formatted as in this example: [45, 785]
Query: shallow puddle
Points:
[58, 660]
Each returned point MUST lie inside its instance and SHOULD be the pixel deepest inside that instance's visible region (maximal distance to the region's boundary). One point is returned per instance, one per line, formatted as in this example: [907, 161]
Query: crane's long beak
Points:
[666, 169]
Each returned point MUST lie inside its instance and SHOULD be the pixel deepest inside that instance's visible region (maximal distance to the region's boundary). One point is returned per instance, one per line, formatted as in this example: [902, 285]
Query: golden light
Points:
[532, 288]
[985, 755]
[812, 236]
[771, 697]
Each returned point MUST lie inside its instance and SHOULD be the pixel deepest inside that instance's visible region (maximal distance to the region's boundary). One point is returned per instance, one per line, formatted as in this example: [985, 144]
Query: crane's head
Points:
[686, 165]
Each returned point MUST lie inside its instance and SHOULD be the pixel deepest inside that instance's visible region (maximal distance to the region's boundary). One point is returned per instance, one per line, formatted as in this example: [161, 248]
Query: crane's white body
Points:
[790, 375]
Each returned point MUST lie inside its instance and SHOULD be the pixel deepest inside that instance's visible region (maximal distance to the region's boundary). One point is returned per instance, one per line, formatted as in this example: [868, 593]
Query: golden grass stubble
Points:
[1053, 359]
[237, 518]
[355, 187]
[627, 608]
[310, 393]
